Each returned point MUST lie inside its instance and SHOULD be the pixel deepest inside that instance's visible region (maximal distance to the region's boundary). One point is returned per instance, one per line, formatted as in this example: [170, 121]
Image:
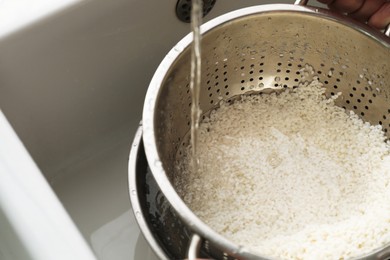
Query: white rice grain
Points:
[291, 176]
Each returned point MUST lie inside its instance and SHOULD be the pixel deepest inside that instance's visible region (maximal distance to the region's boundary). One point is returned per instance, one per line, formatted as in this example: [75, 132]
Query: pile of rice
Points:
[291, 176]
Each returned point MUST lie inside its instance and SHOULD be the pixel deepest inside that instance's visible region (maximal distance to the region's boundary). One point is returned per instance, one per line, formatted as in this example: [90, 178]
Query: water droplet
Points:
[277, 79]
[151, 104]
[261, 85]
[158, 165]
[225, 59]
[138, 214]
[253, 52]
[281, 55]
[251, 87]
[242, 74]
[134, 192]
[178, 48]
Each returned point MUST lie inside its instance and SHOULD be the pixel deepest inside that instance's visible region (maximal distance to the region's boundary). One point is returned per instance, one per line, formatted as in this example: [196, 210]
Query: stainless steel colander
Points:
[245, 51]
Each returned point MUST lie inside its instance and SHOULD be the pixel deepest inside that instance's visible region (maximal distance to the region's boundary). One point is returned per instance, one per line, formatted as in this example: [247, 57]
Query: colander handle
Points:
[194, 248]
[304, 2]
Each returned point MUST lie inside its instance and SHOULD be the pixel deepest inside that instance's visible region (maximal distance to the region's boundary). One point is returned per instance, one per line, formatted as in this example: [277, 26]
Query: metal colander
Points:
[258, 50]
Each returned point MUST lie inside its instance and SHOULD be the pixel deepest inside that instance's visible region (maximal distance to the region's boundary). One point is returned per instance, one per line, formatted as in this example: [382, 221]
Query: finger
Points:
[368, 8]
[381, 18]
[346, 6]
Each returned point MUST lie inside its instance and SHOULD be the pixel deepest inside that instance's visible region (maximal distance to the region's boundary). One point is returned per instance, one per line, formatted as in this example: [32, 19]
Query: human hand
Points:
[375, 12]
